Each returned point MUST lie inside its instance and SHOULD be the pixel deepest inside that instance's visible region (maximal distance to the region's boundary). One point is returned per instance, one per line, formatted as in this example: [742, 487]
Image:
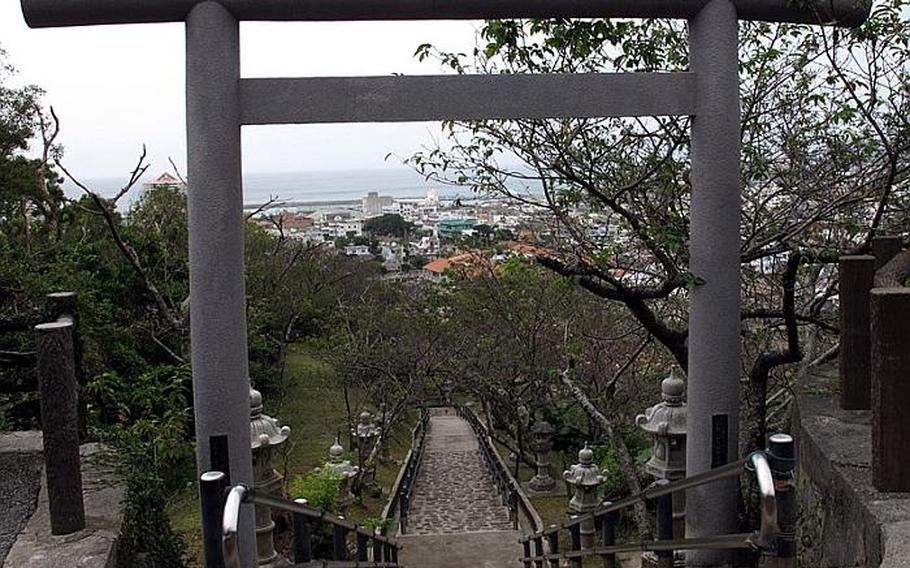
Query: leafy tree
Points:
[825, 146]
[389, 225]
[28, 189]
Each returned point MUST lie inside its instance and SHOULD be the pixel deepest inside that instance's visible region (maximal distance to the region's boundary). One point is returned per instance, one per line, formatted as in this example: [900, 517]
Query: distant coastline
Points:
[309, 189]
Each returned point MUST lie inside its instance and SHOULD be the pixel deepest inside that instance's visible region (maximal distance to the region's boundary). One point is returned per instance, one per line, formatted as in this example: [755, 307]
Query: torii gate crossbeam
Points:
[219, 102]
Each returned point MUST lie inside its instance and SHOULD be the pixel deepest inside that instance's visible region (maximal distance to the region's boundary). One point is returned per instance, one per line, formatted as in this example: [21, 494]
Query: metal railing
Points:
[400, 500]
[774, 470]
[509, 489]
[221, 517]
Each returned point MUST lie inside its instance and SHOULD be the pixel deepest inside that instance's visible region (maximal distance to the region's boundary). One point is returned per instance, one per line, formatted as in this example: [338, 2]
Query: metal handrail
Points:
[404, 483]
[765, 536]
[769, 467]
[758, 460]
[259, 498]
[240, 494]
[517, 499]
[768, 531]
[230, 544]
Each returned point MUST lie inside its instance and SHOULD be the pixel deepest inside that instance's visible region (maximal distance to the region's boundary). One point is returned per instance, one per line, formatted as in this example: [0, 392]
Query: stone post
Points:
[265, 437]
[857, 274]
[585, 478]
[60, 426]
[66, 305]
[890, 389]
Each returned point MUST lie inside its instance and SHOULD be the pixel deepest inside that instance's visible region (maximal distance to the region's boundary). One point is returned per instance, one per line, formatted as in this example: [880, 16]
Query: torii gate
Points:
[219, 102]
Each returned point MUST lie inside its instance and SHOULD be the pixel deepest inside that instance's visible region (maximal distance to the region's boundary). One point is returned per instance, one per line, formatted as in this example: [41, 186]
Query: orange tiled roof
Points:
[440, 266]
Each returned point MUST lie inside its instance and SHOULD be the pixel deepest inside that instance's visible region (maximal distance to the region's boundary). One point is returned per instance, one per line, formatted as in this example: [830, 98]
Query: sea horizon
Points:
[300, 187]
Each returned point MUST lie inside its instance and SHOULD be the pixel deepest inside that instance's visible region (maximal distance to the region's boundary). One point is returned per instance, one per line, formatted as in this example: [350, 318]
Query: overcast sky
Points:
[117, 87]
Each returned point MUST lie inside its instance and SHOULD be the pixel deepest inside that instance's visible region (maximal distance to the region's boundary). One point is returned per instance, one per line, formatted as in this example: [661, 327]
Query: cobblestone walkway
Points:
[457, 518]
[454, 491]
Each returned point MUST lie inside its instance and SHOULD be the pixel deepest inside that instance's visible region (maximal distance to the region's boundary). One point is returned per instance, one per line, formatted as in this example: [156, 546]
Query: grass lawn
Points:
[315, 411]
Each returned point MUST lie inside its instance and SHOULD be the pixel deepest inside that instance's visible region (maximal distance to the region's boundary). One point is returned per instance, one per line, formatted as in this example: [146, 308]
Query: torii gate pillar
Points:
[714, 256]
[221, 387]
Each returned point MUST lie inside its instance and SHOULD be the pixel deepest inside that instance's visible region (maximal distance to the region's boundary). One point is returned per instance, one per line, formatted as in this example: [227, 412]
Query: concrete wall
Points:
[843, 520]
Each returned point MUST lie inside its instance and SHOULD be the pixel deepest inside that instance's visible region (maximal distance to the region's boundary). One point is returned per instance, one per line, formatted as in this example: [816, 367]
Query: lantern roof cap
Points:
[264, 430]
[585, 472]
[667, 418]
[673, 388]
[336, 450]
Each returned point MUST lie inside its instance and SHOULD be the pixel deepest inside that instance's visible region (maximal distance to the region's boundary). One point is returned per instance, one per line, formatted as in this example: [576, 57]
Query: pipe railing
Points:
[509, 489]
[774, 470]
[403, 488]
[371, 549]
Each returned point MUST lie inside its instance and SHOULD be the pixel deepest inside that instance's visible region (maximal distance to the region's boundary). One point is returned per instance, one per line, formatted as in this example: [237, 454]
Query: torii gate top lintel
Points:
[57, 13]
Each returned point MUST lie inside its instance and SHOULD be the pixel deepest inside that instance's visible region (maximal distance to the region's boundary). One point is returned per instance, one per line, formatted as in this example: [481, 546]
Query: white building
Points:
[357, 250]
[374, 203]
[165, 180]
[342, 228]
[432, 197]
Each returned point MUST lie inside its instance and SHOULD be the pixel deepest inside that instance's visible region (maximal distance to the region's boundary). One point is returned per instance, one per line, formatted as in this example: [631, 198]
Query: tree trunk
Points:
[626, 463]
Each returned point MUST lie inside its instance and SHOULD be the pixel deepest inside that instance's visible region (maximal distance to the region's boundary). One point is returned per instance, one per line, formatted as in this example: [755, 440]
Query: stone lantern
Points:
[365, 434]
[543, 432]
[665, 422]
[265, 436]
[585, 478]
[343, 469]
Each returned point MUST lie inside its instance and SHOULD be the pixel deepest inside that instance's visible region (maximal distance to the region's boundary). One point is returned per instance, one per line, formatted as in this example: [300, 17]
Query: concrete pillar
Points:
[714, 319]
[856, 277]
[221, 388]
[884, 248]
[890, 388]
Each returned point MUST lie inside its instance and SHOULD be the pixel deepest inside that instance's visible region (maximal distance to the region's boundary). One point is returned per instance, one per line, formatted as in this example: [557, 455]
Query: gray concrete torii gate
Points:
[219, 102]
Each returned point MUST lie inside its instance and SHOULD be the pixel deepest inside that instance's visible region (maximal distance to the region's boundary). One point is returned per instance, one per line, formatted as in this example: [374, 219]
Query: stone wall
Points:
[844, 521]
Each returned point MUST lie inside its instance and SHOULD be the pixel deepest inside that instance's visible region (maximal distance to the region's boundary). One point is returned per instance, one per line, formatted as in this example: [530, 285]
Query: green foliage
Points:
[145, 420]
[147, 539]
[605, 456]
[151, 409]
[373, 523]
[321, 490]
[388, 225]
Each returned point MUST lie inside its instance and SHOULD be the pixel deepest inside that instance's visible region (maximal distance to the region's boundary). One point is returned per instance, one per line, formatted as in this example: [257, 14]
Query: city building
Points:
[448, 228]
[374, 203]
[165, 180]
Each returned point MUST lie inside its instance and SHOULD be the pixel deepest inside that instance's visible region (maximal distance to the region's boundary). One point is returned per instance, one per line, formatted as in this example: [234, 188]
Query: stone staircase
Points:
[456, 516]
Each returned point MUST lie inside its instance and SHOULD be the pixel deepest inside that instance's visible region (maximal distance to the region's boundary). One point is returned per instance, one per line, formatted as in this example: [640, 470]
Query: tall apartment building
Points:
[373, 204]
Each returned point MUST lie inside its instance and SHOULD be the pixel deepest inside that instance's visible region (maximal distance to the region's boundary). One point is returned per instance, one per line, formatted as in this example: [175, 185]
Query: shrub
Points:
[321, 489]
[147, 539]
[373, 523]
[145, 419]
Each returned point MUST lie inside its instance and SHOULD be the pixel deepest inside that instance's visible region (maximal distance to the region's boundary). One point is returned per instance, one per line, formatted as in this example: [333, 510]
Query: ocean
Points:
[312, 187]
